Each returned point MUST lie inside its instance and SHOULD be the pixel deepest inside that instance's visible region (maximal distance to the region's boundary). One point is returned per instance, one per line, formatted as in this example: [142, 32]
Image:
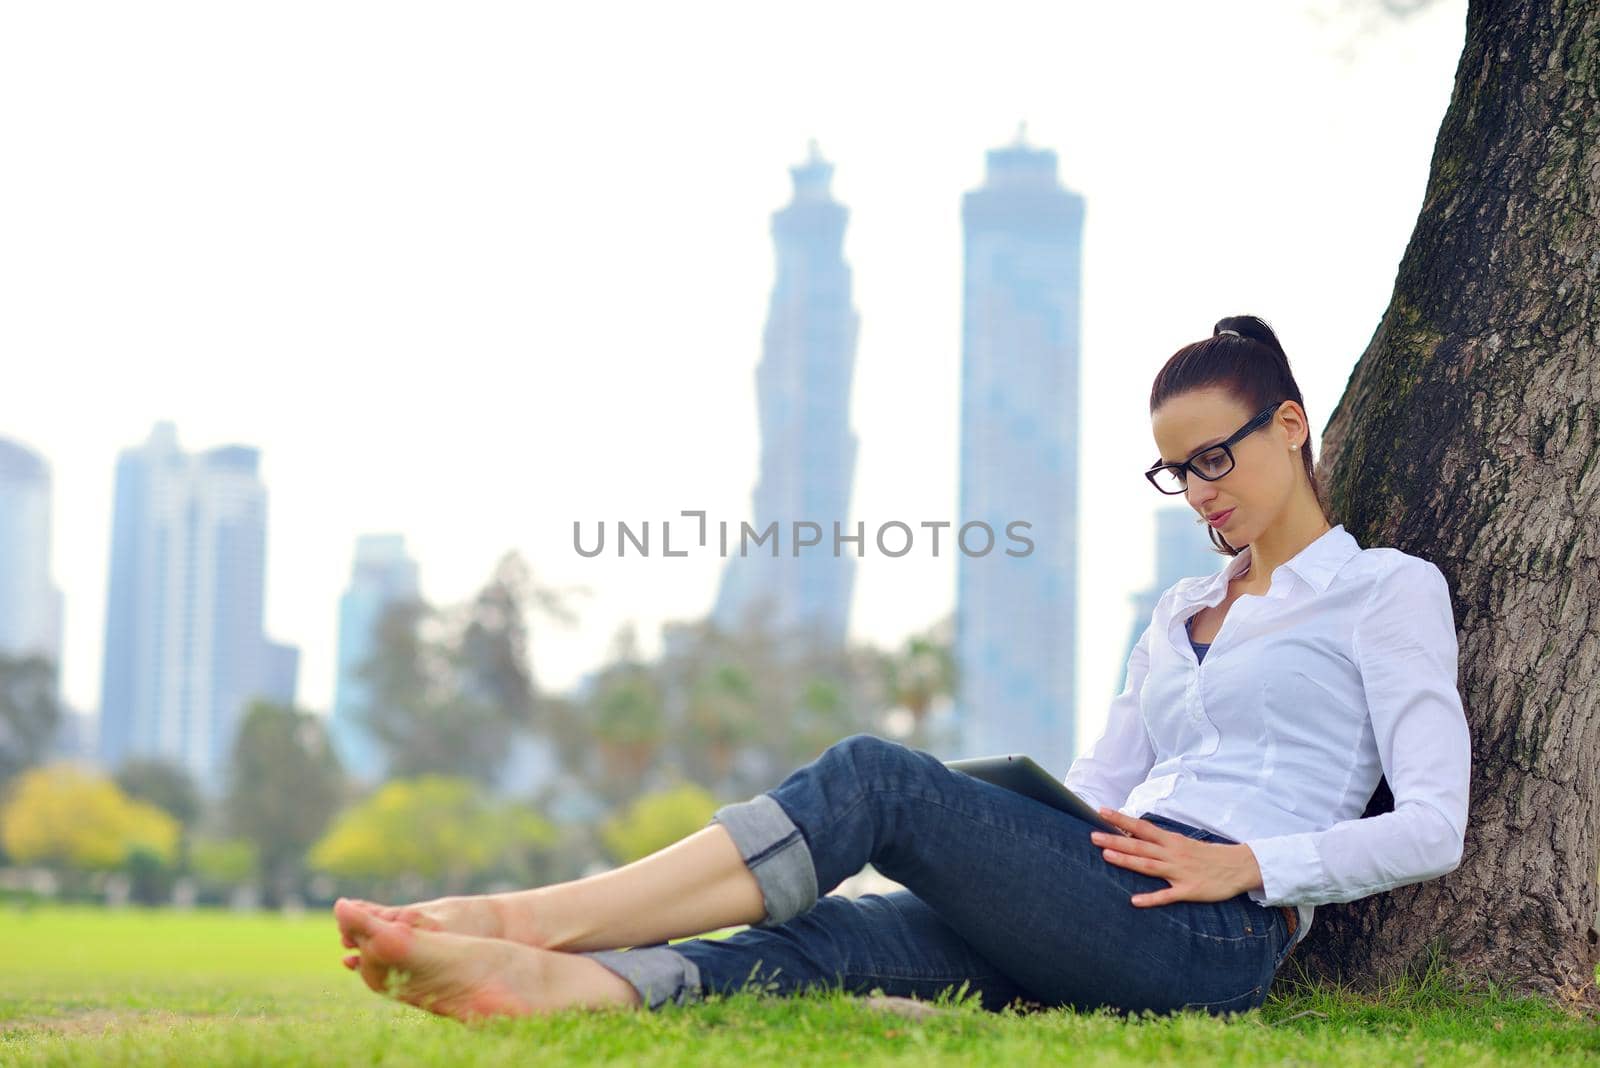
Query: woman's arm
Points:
[1405, 647]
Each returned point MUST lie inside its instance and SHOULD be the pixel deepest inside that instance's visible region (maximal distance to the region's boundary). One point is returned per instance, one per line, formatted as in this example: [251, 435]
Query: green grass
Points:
[86, 987]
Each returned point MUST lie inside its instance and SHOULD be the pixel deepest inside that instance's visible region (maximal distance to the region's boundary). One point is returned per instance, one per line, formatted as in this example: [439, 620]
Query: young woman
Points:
[1261, 706]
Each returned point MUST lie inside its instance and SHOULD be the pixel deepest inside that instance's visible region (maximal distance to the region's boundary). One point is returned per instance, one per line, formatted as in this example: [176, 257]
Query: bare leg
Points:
[698, 884]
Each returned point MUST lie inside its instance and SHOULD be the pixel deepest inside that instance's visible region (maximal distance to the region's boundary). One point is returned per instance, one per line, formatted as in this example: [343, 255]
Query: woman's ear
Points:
[1295, 426]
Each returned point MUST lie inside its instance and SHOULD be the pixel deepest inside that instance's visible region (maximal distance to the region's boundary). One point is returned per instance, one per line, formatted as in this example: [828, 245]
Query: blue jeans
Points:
[1004, 894]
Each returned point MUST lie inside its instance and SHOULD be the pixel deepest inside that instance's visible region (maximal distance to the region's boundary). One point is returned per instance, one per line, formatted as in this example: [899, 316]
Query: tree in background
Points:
[284, 786]
[451, 688]
[495, 630]
[822, 717]
[223, 863]
[722, 714]
[565, 721]
[168, 787]
[832, 693]
[29, 714]
[491, 652]
[920, 673]
[1469, 435]
[162, 783]
[657, 820]
[440, 830]
[74, 821]
[411, 690]
[627, 716]
[745, 707]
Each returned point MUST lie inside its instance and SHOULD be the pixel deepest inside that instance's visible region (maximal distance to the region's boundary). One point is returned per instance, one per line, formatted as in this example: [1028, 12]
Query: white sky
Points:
[472, 271]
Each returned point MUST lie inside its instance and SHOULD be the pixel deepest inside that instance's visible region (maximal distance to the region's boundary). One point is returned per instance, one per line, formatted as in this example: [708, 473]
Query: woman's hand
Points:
[1197, 871]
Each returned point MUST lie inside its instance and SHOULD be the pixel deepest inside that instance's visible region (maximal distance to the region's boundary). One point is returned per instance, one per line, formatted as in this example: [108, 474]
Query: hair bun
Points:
[1250, 326]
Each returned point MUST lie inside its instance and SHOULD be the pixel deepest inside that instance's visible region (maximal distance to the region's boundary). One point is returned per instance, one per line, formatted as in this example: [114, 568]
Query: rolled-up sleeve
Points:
[1119, 761]
[1405, 648]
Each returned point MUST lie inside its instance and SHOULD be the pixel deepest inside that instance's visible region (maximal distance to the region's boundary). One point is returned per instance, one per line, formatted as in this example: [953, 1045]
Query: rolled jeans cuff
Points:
[658, 973]
[775, 852]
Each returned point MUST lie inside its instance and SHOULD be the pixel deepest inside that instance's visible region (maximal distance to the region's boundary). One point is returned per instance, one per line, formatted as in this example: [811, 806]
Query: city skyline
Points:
[416, 321]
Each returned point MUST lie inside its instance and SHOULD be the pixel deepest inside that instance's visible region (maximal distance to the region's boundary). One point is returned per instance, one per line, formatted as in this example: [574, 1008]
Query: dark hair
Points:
[1252, 367]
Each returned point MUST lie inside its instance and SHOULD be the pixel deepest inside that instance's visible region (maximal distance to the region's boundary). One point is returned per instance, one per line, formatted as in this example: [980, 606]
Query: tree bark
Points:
[1469, 434]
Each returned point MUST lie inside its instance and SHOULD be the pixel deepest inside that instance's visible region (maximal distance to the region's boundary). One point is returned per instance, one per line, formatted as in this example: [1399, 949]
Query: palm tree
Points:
[629, 720]
[722, 714]
[919, 674]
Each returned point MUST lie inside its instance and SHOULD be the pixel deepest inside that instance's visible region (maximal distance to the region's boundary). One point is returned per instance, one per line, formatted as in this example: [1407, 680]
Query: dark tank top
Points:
[1198, 647]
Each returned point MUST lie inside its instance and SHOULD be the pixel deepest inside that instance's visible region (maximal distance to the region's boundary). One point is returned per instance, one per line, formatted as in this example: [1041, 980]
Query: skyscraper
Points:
[381, 575]
[1016, 635]
[808, 451]
[185, 650]
[30, 603]
[1183, 548]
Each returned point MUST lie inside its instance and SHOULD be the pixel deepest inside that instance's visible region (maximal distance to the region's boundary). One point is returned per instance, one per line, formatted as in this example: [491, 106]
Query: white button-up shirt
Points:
[1343, 671]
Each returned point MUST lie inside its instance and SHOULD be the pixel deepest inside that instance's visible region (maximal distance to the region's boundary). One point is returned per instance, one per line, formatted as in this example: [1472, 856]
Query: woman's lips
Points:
[1221, 519]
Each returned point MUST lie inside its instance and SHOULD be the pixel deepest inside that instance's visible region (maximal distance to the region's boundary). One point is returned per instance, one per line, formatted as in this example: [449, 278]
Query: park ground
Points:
[131, 987]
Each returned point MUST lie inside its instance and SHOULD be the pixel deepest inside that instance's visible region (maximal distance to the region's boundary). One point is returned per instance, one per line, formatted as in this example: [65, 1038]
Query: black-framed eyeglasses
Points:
[1210, 463]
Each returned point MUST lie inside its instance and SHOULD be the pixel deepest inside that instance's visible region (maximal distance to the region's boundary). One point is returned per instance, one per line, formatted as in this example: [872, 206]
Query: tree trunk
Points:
[1469, 434]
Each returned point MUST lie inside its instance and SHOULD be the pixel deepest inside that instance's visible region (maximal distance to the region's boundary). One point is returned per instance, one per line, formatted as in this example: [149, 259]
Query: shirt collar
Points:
[1316, 564]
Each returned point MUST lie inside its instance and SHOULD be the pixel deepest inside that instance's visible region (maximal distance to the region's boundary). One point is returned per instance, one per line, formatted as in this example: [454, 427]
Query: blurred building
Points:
[1183, 548]
[74, 739]
[808, 452]
[532, 764]
[381, 575]
[1016, 636]
[185, 649]
[30, 603]
[280, 681]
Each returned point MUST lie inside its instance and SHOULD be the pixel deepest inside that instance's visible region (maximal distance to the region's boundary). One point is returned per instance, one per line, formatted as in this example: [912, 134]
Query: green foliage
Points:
[223, 861]
[150, 875]
[162, 783]
[284, 787]
[921, 672]
[629, 709]
[723, 710]
[433, 827]
[449, 688]
[657, 820]
[29, 713]
[66, 817]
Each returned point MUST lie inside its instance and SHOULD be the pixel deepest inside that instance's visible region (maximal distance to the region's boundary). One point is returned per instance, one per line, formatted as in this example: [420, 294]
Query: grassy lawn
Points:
[85, 987]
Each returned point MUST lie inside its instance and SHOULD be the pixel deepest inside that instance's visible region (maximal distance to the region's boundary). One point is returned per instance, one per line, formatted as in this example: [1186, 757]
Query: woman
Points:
[1262, 704]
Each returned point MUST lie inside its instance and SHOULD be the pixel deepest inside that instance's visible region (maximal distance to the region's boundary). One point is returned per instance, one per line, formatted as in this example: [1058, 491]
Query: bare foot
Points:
[481, 916]
[472, 978]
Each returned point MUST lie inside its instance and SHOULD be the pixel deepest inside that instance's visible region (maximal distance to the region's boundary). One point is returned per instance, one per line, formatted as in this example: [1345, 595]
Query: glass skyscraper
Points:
[381, 575]
[1016, 635]
[808, 451]
[185, 650]
[30, 603]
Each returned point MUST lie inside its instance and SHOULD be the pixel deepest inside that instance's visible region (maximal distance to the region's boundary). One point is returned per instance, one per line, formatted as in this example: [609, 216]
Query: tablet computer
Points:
[1021, 774]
